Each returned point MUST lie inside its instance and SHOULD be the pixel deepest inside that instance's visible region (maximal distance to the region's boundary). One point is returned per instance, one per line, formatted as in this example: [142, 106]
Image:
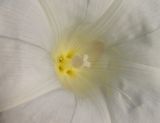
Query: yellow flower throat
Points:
[77, 64]
[68, 64]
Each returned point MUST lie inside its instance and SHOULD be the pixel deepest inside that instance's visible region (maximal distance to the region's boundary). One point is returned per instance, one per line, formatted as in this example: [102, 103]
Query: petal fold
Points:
[92, 110]
[26, 72]
[54, 107]
[25, 20]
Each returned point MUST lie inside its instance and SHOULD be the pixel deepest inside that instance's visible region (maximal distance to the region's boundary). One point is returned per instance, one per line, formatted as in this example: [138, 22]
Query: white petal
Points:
[143, 50]
[96, 9]
[131, 20]
[25, 20]
[135, 93]
[26, 72]
[54, 107]
[91, 110]
[63, 14]
[136, 97]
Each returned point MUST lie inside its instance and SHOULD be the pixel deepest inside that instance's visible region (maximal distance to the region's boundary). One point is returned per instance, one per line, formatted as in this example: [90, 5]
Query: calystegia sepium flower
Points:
[79, 61]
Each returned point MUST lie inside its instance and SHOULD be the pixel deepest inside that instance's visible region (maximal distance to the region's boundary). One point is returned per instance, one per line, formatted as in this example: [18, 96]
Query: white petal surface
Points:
[143, 50]
[133, 20]
[135, 95]
[54, 107]
[138, 83]
[95, 9]
[92, 110]
[134, 38]
[26, 72]
[25, 20]
[63, 14]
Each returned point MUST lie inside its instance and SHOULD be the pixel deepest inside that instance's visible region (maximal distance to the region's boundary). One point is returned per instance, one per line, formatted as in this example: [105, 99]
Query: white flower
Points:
[79, 61]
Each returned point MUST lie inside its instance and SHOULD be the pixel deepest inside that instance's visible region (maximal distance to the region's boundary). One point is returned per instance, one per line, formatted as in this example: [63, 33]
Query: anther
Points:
[60, 59]
[70, 72]
[69, 55]
[61, 68]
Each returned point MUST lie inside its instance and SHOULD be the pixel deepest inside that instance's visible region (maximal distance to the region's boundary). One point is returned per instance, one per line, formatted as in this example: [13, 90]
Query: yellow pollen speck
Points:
[61, 69]
[60, 59]
[70, 54]
[70, 73]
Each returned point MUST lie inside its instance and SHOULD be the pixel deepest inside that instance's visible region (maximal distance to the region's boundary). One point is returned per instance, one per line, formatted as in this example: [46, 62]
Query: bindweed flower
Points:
[79, 61]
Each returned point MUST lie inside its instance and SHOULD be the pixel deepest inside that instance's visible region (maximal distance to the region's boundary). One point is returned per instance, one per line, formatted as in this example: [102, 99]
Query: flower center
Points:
[69, 63]
[78, 64]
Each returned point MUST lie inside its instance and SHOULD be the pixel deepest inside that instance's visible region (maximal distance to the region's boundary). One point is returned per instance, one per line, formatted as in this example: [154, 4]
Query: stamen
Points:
[70, 72]
[70, 54]
[77, 65]
[65, 66]
[61, 69]
[61, 59]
